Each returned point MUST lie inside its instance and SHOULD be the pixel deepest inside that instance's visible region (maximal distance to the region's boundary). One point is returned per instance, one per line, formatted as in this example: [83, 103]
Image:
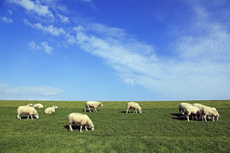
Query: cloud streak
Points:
[48, 29]
[27, 93]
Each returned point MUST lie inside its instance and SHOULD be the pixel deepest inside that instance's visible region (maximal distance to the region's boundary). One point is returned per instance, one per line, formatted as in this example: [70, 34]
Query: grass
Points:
[157, 129]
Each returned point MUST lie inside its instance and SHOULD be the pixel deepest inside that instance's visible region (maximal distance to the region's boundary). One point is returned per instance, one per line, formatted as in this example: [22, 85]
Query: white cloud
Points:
[43, 45]
[63, 18]
[10, 12]
[49, 29]
[7, 20]
[198, 72]
[34, 7]
[46, 47]
[21, 92]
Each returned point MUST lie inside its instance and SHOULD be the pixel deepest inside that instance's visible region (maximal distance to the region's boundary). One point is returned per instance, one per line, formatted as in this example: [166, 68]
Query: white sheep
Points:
[191, 110]
[133, 105]
[80, 119]
[92, 104]
[26, 110]
[181, 107]
[38, 106]
[30, 105]
[50, 110]
[209, 112]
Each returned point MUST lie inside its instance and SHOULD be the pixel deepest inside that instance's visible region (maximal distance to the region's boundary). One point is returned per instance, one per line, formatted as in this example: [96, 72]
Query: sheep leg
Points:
[213, 118]
[81, 129]
[18, 117]
[70, 128]
[86, 128]
[89, 109]
[31, 117]
[95, 110]
[127, 110]
[28, 117]
[85, 110]
[188, 117]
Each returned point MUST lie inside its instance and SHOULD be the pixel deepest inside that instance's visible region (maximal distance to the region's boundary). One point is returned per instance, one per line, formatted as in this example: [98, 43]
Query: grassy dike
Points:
[157, 129]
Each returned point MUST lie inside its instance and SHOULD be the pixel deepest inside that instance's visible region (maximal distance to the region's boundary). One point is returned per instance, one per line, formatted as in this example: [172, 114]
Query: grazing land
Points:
[157, 129]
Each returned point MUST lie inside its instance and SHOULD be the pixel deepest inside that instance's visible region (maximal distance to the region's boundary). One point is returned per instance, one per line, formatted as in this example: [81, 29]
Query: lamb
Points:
[26, 110]
[30, 105]
[81, 119]
[133, 105]
[191, 110]
[38, 106]
[50, 110]
[181, 107]
[209, 112]
[92, 104]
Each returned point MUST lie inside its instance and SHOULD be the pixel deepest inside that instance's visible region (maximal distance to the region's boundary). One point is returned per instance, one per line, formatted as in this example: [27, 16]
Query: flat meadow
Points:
[157, 129]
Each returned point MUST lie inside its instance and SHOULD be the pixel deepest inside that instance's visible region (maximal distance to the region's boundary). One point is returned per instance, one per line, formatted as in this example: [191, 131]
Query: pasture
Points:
[157, 129]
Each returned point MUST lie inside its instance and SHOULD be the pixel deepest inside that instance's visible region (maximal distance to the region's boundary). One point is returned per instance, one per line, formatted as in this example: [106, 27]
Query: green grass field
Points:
[157, 129]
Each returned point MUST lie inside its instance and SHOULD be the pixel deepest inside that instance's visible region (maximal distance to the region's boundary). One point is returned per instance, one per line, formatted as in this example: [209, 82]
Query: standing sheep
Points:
[191, 110]
[181, 107]
[209, 112]
[80, 119]
[50, 110]
[26, 110]
[92, 104]
[133, 105]
[38, 106]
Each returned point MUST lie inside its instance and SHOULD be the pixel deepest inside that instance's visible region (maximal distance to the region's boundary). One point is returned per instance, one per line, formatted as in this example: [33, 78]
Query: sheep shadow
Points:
[74, 127]
[176, 116]
[25, 118]
[123, 112]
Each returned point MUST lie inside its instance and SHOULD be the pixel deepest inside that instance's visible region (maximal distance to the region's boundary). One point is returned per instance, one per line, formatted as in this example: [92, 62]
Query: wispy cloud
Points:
[48, 29]
[43, 45]
[26, 93]
[197, 71]
[63, 18]
[34, 7]
[7, 20]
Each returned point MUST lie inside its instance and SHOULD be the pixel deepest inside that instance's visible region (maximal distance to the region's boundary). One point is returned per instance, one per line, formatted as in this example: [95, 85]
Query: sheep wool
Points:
[182, 106]
[133, 105]
[191, 110]
[26, 110]
[38, 106]
[80, 119]
[209, 112]
[50, 110]
[92, 104]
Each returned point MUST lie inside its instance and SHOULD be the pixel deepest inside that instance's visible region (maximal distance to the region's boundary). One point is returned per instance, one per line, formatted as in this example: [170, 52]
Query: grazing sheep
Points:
[50, 110]
[191, 110]
[209, 112]
[181, 107]
[133, 105]
[38, 106]
[26, 110]
[80, 119]
[92, 104]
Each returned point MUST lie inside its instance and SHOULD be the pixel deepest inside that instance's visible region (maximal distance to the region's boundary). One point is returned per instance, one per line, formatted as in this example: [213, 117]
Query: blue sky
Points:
[114, 50]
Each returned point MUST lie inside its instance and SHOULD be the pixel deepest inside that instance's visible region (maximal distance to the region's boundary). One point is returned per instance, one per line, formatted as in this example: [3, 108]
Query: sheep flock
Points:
[196, 110]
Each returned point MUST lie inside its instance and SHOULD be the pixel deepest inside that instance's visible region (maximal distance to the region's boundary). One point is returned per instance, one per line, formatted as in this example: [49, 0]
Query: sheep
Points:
[50, 110]
[198, 105]
[191, 110]
[80, 119]
[26, 110]
[38, 106]
[30, 105]
[209, 112]
[92, 104]
[133, 105]
[181, 107]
